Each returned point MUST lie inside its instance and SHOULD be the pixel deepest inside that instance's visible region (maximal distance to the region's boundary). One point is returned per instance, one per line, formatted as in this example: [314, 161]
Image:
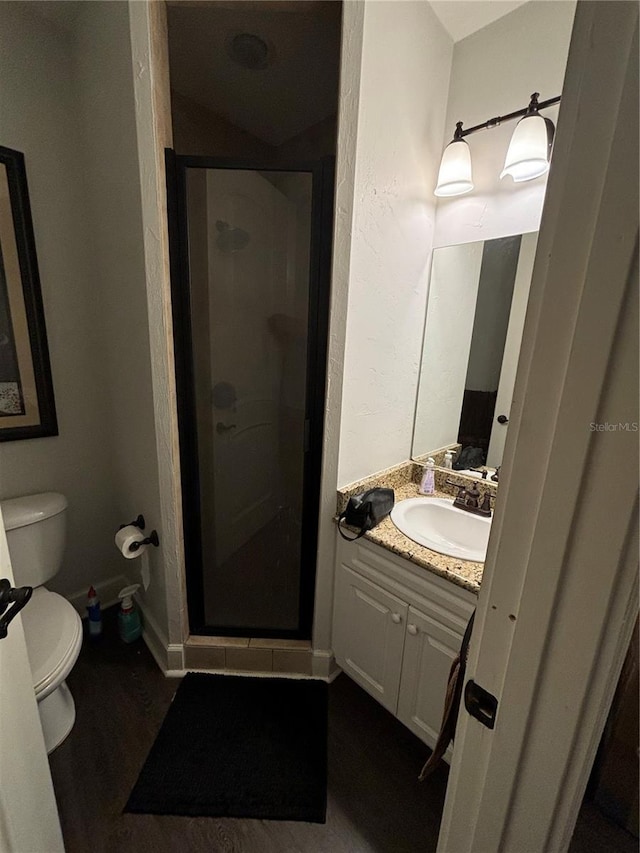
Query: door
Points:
[368, 635]
[559, 598]
[28, 811]
[429, 650]
[250, 256]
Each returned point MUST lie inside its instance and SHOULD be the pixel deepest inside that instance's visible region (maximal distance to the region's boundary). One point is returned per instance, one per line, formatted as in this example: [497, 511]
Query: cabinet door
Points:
[429, 650]
[368, 635]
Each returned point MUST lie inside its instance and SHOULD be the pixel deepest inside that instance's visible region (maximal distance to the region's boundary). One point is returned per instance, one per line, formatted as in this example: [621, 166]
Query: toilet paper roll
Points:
[125, 537]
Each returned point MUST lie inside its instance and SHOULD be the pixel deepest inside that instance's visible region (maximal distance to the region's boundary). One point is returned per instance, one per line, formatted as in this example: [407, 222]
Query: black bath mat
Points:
[239, 747]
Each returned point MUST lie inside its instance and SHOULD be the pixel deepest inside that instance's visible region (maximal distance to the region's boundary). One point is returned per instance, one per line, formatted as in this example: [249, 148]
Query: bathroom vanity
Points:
[396, 630]
[400, 611]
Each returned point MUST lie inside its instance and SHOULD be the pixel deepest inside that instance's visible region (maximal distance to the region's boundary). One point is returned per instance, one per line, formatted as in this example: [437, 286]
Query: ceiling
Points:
[461, 18]
[298, 87]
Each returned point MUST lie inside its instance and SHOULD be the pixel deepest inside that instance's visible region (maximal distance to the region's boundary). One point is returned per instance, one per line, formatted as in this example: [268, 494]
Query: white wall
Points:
[67, 102]
[150, 60]
[406, 59]
[102, 53]
[494, 72]
[39, 109]
[344, 206]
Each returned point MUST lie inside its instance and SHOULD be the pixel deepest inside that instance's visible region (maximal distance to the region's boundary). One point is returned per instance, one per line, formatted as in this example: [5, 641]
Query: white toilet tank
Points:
[36, 533]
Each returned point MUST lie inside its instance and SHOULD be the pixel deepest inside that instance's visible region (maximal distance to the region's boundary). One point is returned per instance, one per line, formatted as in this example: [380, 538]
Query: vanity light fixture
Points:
[454, 177]
[528, 155]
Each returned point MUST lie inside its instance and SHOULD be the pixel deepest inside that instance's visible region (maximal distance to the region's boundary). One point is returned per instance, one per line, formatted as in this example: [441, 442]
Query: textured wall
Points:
[405, 77]
[482, 87]
[148, 33]
[68, 103]
[350, 69]
[494, 72]
[102, 51]
[40, 117]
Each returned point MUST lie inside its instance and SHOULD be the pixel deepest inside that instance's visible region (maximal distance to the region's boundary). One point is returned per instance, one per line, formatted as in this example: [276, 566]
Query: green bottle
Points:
[129, 624]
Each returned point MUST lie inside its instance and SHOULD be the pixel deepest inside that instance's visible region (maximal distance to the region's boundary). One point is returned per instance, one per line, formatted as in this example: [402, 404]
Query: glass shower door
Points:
[248, 236]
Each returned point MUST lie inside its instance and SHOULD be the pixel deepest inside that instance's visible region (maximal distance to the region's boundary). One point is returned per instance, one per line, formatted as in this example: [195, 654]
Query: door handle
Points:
[222, 428]
[14, 599]
[412, 629]
[502, 419]
[396, 618]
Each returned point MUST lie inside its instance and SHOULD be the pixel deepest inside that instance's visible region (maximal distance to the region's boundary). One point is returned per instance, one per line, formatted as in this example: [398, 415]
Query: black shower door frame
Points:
[322, 172]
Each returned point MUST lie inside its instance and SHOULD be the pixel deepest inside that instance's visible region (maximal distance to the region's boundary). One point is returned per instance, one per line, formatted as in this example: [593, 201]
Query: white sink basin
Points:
[437, 524]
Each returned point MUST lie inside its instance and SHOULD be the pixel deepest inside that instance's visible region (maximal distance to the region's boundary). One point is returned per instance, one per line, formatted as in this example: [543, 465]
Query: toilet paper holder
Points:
[151, 539]
[138, 522]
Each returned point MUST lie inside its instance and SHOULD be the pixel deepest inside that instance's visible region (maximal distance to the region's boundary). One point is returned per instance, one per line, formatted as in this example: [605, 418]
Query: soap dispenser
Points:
[428, 484]
[129, 624]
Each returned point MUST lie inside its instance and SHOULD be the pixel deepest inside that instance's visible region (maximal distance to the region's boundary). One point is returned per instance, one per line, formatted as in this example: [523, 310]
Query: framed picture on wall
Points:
[27, 406]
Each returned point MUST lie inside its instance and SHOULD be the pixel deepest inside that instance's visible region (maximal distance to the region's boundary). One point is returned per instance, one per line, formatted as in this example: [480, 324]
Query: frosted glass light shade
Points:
[529, 149]
[454, 177]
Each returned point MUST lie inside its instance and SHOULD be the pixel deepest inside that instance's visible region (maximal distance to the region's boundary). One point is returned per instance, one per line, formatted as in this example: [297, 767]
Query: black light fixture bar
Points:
[533, 107]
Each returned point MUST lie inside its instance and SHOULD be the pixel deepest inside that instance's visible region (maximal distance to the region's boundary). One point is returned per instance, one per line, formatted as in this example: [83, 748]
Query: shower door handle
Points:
[17, 597]
[222, 428]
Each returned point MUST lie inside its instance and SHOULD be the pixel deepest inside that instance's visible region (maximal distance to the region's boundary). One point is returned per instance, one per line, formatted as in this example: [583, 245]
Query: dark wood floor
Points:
[375, 802]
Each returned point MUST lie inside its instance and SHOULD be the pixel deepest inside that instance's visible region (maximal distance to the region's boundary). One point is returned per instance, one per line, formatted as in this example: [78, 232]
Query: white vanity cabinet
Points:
[396, 629]
[368, 634]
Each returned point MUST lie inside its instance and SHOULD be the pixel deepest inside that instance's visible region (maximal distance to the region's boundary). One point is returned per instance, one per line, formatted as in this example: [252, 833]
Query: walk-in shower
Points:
[250, 254]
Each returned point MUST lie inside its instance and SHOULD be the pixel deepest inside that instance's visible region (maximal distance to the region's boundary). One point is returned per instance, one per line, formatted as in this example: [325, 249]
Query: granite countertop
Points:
[463, 573]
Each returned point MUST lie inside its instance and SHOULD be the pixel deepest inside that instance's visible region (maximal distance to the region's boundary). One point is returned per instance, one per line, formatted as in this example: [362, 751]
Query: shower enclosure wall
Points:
[250, 268]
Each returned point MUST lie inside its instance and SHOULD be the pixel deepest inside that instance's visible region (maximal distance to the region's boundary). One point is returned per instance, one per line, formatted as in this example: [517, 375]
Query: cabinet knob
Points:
[412, 629]
[396, 618]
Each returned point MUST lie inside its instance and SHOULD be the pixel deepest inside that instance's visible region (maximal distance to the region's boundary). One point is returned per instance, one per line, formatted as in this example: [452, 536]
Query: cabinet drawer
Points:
[445, 602]
[368, 635]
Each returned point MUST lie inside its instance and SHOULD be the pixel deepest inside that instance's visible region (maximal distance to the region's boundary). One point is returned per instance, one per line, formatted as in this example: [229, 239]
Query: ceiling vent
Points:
[250, 51]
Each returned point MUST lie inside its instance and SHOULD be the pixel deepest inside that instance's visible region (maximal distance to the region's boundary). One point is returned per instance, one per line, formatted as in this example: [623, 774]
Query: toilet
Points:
[36, 533]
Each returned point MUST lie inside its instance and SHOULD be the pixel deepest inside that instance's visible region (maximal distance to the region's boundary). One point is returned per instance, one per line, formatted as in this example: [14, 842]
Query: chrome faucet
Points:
[469, 500]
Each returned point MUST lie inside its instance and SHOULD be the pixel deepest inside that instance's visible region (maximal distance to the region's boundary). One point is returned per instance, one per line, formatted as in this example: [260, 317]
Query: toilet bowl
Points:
[36, 530]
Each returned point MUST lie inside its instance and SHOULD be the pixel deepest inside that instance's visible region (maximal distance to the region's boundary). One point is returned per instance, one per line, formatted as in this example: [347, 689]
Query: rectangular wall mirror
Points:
[477, 301]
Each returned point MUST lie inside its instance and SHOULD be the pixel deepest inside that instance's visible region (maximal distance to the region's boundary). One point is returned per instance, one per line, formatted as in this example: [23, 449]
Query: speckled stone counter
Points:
[461, 572]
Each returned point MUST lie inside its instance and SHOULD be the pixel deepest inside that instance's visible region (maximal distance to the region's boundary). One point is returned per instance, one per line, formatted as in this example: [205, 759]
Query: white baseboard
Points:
[323, 664]
[335, 672]
[175, 658]
[156, 641]
[107, 591]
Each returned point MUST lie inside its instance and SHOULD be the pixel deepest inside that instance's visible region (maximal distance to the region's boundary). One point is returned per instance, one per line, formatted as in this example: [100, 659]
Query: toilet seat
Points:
[53, 633]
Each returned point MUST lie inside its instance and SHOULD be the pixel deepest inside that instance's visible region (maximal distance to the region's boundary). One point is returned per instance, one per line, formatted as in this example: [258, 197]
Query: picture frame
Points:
[27, 405]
